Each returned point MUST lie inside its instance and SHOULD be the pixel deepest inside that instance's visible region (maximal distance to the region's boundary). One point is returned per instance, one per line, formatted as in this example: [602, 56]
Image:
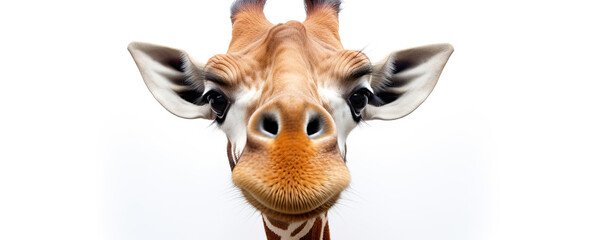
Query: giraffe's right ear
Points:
[404, 80]
[173, 79]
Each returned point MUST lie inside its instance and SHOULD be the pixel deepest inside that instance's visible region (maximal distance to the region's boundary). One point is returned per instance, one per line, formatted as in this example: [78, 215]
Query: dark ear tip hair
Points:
[375, 101]
[238, 5]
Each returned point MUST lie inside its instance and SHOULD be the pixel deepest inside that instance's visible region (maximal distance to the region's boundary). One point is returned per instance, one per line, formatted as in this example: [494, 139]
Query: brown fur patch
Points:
[270, 235]
[298, 229]
[279, 224]
[314, 234]
[326, 235]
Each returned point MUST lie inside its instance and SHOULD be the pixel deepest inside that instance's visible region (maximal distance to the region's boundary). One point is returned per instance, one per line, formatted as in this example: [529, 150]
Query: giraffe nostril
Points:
[269, 126]
[314, 127]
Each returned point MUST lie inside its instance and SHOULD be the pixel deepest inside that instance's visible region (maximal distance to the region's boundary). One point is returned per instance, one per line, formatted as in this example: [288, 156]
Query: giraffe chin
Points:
[288, 217]
[292, 189]
[291, 177]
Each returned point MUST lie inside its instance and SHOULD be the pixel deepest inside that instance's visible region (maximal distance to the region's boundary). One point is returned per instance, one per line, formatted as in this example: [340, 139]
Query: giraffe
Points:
[287, 95]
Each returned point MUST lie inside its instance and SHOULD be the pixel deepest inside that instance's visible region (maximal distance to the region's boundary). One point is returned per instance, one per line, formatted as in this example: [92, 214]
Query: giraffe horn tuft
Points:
[312, 5]
[244, 5]
[322, 20]
[248, 22]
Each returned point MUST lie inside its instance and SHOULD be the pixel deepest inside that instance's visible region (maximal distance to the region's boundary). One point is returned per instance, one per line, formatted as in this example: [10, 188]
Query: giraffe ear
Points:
[173, 79]
[404, 80]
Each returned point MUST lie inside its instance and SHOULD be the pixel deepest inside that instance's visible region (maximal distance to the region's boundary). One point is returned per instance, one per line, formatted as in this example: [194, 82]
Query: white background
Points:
[508, 146]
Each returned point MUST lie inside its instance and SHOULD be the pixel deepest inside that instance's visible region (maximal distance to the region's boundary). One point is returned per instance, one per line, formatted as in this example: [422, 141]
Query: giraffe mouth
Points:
[287, 205]
[271, 211]
[291, 189]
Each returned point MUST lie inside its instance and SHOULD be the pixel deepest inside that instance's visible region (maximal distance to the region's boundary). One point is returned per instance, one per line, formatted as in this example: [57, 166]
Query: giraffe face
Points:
[287, 117]
[287, 96]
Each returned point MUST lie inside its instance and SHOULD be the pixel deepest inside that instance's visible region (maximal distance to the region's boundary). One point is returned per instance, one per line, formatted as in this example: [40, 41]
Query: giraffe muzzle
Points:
[291, 167]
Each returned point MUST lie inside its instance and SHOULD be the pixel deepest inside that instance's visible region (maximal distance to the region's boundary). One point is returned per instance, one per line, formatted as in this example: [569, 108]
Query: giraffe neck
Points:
[312, 229]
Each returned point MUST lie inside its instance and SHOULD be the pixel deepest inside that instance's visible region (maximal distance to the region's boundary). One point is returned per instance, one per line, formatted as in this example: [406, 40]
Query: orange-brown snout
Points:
[291, 166]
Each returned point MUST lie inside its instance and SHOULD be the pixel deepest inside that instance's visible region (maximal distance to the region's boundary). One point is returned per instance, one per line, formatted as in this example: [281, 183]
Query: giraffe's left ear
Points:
[173, 79]
[404, 80]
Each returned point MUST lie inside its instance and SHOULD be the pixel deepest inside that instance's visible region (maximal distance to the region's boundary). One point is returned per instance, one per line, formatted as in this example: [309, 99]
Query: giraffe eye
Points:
[218, 103]
[358, 100]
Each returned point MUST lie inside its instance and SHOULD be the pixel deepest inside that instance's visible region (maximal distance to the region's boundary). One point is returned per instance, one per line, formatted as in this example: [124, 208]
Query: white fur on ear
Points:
[404, 80]
[173, 79]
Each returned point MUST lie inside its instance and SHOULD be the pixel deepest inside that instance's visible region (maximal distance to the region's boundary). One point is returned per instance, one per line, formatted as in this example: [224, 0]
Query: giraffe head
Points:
[287, 96]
